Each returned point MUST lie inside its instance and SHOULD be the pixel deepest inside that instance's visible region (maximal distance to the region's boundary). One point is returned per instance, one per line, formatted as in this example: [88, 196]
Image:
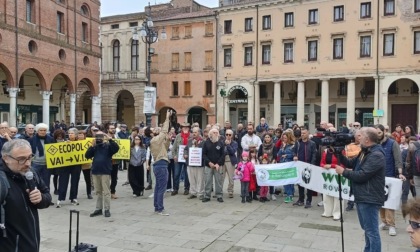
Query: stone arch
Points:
[92, 88]
[42, 84]
[197, 114]
[391, 79]
[85, 5]
[60, 89]
[126, 108]
[7, 76]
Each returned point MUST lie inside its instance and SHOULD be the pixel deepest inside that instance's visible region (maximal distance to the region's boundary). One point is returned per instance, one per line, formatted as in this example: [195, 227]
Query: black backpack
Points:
[416, 158]
[4, 191]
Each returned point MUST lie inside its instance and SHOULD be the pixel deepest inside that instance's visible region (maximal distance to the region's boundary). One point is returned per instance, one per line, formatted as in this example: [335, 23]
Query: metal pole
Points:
[149, 61]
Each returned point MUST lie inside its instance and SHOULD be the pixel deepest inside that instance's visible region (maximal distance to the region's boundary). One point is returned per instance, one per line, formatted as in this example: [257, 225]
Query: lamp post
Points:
[149, 35]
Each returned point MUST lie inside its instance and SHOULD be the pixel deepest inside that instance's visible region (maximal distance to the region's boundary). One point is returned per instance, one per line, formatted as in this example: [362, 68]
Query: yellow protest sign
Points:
[124, 151]
[67, 153]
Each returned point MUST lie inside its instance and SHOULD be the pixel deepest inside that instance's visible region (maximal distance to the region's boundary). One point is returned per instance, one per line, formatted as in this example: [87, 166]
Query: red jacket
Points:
[324, 160]
[247, 169]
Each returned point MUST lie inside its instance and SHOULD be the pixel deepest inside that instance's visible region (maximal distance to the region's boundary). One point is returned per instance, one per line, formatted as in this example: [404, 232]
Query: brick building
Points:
[49, 61]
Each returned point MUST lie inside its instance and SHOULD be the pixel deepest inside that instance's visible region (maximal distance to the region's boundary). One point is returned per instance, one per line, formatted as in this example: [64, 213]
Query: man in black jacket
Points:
[102, 150]
[21, 208]
[368, 183]
[214, 159]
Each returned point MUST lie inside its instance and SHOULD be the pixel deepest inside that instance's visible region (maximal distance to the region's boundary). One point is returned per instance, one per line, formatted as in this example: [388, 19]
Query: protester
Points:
[398, 133]
[368, 183]
[352, 150]
[111, 133]
[412, 210]
[268, 151]
[195, 173]
[181, 166]
[250, 139]
[244, 171]
[136, 168]
[29, 132]
[86, 168]
[102, 150]
[286, 154]
[21, 211]
[231, 160]
[253, 157]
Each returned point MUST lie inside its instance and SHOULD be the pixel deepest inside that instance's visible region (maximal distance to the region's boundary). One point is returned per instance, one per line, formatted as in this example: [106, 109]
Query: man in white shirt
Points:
[250, 139]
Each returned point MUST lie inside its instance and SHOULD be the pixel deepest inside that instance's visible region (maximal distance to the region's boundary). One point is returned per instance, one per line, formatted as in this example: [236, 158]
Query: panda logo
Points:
[386, 190]
[306, 175]
[263, 175]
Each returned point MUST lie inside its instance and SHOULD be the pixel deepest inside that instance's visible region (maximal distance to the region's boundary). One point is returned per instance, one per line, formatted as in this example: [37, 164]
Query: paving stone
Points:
[218, 245]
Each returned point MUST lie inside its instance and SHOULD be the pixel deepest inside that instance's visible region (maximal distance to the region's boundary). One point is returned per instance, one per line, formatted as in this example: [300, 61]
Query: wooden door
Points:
[404, 114]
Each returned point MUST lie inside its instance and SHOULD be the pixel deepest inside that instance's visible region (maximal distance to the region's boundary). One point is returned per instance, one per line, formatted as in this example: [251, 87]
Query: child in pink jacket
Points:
[245, 169]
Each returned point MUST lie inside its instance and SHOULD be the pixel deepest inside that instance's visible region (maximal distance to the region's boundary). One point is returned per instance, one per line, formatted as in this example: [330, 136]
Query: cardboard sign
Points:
[67, 153]
[124, 151]
[181, 158]
[195, 156]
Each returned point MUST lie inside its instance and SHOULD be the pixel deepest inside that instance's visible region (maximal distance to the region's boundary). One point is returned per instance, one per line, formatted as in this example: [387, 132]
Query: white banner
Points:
[324, 181]
[181, 158]
[149, 103]
[195, 156]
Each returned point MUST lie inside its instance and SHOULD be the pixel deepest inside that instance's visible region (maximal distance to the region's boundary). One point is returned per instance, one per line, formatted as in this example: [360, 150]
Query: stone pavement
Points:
[212, 226]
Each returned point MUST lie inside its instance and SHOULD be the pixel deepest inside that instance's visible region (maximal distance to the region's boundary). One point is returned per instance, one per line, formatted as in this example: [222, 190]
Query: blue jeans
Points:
[181, 167]
[368, 218]
[64, 174]
[160, 168]
[289, 189]
[43, 173]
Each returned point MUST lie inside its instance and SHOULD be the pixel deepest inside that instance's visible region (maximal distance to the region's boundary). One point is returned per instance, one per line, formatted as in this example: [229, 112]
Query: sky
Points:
[116, 7]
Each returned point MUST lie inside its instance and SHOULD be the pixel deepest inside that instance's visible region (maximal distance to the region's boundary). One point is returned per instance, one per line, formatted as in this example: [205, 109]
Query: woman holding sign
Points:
[286, 153]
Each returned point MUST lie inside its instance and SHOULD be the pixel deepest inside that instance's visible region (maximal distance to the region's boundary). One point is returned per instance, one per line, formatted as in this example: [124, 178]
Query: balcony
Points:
[120, 76]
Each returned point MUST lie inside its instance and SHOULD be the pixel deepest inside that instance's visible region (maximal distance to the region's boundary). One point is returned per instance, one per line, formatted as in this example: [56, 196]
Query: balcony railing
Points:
[130, 75]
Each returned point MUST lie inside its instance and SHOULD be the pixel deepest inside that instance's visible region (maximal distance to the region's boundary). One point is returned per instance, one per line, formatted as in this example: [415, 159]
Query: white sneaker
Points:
[163, 213]
[392, 231]
[384, 226]
[321, 203]
[58, 204]
[74, 202]
[273, 197]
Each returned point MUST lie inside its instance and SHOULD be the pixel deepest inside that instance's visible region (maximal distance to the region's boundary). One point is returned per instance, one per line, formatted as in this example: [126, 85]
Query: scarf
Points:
[268, 149]
[185, 137]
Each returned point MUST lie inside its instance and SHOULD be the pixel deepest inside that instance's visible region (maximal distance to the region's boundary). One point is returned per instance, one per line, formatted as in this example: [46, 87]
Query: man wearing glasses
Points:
[231, 147]
[21, 227]
[368, 183]
[412, 210]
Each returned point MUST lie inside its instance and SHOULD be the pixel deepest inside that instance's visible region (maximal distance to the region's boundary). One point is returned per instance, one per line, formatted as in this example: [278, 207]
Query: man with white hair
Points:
[38, 142]
[29, 132]
[214, 159]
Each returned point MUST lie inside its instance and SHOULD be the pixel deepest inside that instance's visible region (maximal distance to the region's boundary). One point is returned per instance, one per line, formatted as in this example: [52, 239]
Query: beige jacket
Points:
[159, 144]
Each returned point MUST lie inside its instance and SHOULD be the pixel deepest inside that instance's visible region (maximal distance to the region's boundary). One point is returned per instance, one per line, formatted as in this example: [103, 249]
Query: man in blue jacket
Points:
[368, 183]
[102, 150]
[231, 147]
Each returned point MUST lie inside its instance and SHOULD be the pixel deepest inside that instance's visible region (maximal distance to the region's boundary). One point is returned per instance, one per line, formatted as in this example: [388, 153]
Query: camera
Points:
[336, 140]
[99, 138]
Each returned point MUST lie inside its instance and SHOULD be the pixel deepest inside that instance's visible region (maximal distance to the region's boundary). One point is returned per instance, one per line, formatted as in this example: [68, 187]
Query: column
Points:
[226, 109]
[351, 100]
[379, 102]
[72, 108]
[12, 110]
[96, 109]
[277, 104]
[377, 94]
[257, 103]
[63, 107]
[300, 113]
[325, 100]
[250, 103]
[384, 120]
[46, 106]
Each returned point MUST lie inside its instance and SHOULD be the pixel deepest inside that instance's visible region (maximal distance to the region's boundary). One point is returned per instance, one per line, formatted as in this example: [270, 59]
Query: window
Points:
[175, 88]
[84, 32]
[248, 56]
[417, 42]
[389, 44]
[115, 26]
[263, 91]
[266, 22]
[134, 55]
[209, 60]
[209, 29]
[228, 26]
[187, 60]
[175, 61]
[134, 24]
[313, 50]
[266, 54]
[288, 19]
[84, 10]
[389, 7]
[209, 89]
[288, 52]
[60, 22]
[313, 16]
[416, 5]
[175, 32]
[338, 13]
[342, 88]
[227, 57]
[365, 10]
[338, 48]
[187, 88]
[188, 31]
[248, 24]
[365, 42]
[116, 56]
[30, 8]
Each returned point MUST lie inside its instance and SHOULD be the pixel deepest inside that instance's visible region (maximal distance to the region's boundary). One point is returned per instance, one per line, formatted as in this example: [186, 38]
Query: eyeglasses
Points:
[22, 160]
[228, 134]
[356, 125]
[414, 225]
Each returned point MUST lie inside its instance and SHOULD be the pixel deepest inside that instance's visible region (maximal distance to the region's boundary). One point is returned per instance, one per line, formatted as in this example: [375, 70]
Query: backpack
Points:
[416, 157]
[4, 191]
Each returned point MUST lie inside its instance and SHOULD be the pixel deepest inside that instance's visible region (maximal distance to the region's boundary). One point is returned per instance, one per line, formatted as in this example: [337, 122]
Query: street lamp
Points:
[149, 35]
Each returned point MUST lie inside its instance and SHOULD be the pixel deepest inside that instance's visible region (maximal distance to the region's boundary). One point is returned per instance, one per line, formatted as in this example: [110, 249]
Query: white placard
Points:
[149, 102]
[181, 158]
[195, 156]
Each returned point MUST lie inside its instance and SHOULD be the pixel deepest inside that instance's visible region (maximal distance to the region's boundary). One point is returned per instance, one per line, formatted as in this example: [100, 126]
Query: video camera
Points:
[336, 140]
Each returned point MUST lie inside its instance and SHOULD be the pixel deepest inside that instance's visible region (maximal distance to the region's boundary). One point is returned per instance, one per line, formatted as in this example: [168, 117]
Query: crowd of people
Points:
[160, 158]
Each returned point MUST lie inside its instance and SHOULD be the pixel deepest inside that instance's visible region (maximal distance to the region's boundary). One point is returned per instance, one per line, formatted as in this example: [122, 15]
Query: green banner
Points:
[287, 173]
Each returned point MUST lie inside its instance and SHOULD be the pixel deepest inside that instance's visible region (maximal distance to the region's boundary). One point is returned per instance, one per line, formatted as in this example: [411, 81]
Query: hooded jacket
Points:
[21, 216]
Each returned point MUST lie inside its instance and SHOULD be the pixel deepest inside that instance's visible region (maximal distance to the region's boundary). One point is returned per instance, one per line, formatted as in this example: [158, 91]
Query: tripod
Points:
[340, 198]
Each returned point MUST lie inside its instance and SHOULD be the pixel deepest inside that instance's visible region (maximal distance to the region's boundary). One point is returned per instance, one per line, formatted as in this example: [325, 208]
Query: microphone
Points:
[30, 180]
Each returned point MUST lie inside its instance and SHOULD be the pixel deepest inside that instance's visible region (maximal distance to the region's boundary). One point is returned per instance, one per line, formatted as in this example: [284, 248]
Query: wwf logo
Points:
[306, 175]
